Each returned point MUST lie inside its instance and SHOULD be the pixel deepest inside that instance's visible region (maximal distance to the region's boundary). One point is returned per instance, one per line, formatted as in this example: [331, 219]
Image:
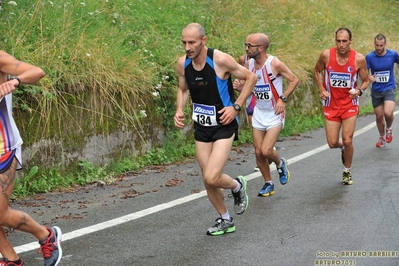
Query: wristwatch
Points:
[237, 107]
[17, 78]
[360, 92]
[282, 97]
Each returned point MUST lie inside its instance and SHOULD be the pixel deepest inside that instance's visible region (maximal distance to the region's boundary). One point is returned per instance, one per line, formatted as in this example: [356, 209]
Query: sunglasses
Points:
[251, 45]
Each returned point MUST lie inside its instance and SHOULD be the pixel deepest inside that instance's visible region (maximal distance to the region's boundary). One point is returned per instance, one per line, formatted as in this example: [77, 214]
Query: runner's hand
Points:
[228, 115]
[179, 118]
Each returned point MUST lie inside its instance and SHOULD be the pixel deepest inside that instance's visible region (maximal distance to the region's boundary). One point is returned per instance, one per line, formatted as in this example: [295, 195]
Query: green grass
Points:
[110, 62]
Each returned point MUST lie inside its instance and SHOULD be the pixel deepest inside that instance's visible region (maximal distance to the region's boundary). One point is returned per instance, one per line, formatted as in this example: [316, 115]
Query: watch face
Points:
[237, 107]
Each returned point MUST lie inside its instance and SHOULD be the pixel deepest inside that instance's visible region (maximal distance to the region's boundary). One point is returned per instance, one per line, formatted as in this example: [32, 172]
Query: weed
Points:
[106, 63]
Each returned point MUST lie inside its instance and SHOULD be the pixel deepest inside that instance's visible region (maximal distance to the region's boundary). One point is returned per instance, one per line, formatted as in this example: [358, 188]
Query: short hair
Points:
[267, 43]
[344, 29]
[380, 37]
[199, 27]
[262, 38]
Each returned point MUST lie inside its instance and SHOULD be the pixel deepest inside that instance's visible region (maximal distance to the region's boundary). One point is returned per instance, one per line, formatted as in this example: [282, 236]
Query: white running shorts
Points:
[263, 119]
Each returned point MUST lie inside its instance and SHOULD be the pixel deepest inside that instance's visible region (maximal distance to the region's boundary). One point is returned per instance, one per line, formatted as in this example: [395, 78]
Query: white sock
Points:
[226, 216]
[238, 187]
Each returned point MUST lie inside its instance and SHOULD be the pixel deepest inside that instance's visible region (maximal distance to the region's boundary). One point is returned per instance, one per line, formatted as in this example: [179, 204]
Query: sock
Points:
[226, 216]
[270, 182]
[17, 262]
[238, 187]
[347, 169]
[281, 164]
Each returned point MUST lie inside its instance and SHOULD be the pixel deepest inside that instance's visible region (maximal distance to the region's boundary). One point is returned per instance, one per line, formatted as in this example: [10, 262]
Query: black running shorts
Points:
[214, 135]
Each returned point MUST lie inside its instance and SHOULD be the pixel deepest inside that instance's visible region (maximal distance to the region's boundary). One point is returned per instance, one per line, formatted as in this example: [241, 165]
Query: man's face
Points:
[252, 48]
[343, 42]
[192, 42]
[379, 46]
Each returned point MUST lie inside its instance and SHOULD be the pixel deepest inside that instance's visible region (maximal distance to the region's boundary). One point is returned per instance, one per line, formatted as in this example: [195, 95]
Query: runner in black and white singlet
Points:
[205, 74]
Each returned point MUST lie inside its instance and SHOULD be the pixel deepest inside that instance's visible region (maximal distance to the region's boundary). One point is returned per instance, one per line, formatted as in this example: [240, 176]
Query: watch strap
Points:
[17, 78]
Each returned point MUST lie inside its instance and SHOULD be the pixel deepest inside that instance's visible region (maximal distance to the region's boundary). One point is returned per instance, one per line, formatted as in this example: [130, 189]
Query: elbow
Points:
[36, 73]
[41, 73]
[296, 81]
[254, 79]
[316, 72]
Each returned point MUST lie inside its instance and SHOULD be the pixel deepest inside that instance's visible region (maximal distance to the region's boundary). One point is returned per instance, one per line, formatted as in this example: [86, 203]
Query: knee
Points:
[4, 216]
[333, 144]
[258, 153]
[264, 153]
[209, 180]
[389, 116]
[267, 153]
[347, 142]
[380, 116]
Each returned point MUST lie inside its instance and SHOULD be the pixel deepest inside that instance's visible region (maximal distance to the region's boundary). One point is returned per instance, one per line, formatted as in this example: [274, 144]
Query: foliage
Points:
[175, 148]
[299, 121]
[108, 60]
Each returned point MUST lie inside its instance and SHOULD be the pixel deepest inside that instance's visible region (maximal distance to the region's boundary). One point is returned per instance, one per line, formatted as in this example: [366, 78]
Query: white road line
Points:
[136, 215]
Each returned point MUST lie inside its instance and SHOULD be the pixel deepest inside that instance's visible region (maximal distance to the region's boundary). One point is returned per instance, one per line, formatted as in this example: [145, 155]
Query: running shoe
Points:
[221, 227]
[381, 142]
[6, 262]
[343, 156]
[347, 178]
[388, 135]
[267, 190]
[51, 246]
[241, 198]
[283, 172]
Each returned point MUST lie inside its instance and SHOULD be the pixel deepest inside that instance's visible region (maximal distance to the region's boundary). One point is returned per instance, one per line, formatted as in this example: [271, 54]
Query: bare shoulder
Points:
[276, 62]
[360, 62]
[223, 60]
[241, 59]
[181, 59]
[325, 55]
[360, 56]
[323, 59]
[180, 64]
[219, 55]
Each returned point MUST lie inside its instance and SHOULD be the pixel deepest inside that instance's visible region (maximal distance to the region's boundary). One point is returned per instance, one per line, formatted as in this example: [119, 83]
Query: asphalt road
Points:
[160, 216]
